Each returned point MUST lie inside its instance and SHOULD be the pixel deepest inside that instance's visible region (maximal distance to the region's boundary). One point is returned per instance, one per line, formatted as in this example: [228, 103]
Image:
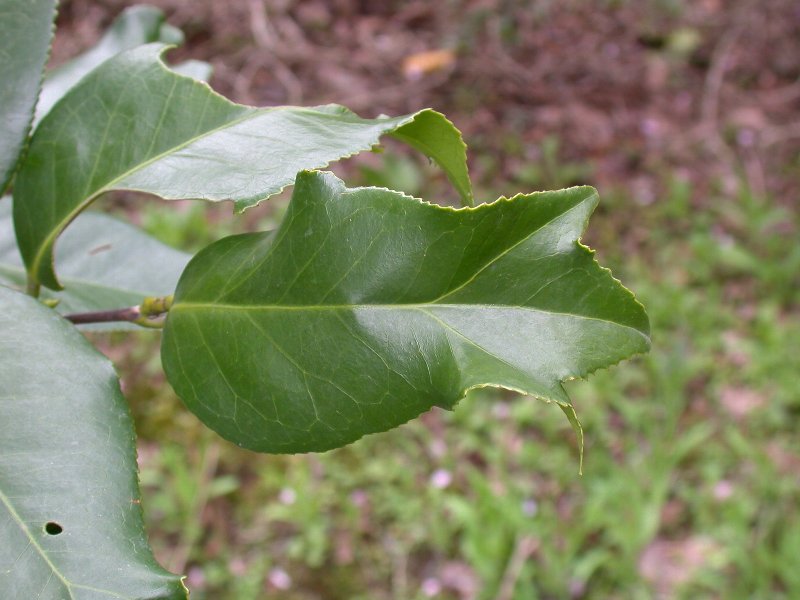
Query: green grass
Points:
[690, 483]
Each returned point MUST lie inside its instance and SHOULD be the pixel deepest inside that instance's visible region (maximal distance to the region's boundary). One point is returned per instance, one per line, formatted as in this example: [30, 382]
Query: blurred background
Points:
[685, 114]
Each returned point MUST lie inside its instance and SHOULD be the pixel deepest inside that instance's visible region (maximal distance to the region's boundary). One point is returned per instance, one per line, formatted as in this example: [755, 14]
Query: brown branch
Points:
[147, 314]
[130, 314]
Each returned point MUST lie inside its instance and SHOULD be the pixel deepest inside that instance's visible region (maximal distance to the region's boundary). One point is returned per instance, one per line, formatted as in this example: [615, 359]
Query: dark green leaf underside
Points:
[70, 516]
[105, 264]
[26, 28]
[366, 308]
[134, 124]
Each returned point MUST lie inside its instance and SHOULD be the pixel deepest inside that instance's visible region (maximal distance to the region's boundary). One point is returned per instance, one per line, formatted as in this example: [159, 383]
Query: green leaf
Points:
[105, 263]
[367, 307]
[70, 514]
[430, 133]
[134, 124]
[26, 28]
[135, 26]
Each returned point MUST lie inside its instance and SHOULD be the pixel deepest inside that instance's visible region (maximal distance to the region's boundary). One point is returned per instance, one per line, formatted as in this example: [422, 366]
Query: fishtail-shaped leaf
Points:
[366, 308]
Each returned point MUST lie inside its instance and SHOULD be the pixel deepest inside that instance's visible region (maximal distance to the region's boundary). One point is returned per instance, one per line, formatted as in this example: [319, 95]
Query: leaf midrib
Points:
[422, 307]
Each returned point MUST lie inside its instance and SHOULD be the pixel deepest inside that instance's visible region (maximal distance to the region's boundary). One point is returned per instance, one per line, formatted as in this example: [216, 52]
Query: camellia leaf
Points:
[135, 26]
[105, 264]
[367, 307]
[26, 28]
[134, 124]
[70, 515]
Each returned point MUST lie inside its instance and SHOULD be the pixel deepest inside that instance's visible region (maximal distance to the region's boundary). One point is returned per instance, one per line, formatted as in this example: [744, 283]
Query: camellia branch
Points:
[148, 314]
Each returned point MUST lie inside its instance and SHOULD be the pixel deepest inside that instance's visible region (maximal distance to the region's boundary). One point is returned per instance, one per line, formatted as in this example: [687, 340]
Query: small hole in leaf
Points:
[53, 528]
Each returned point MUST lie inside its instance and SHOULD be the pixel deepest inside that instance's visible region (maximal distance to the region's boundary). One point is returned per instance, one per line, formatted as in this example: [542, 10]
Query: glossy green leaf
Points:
[135, 26]
[105, 264]
[367, 307]
[134, 124]
[26, 28]
[70, 514]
